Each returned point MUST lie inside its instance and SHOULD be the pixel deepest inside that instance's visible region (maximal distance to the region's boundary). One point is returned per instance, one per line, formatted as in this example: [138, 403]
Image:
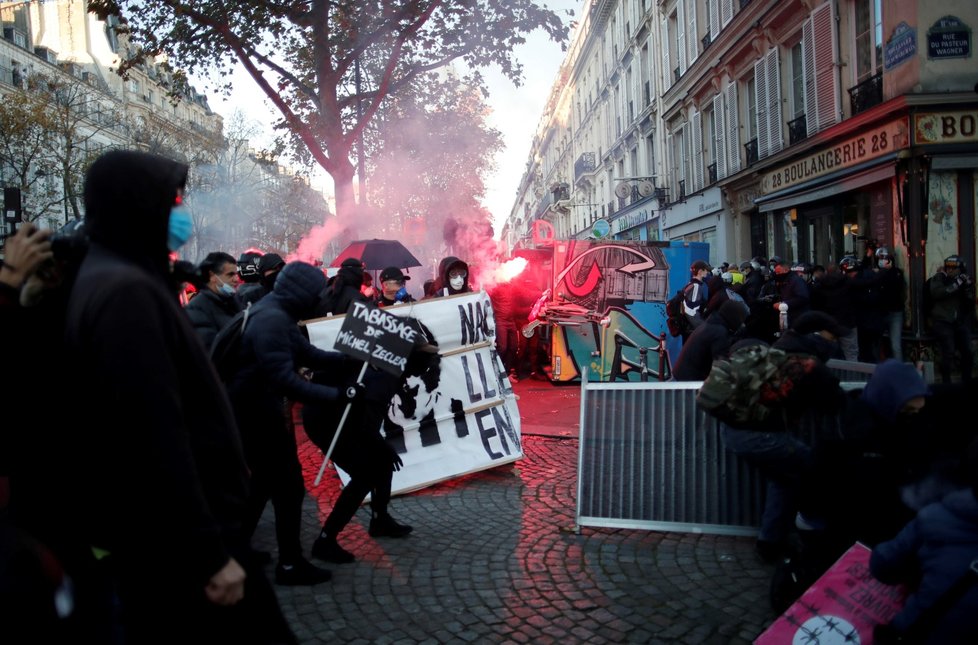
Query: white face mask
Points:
[456, 283]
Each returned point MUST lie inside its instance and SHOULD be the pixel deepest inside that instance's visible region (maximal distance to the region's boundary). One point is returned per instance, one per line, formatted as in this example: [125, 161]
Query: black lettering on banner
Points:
[505, 423]
[486, 390]
[428, 428]
[473, 319]
[473, 396]
[488, 433]
[458, 413]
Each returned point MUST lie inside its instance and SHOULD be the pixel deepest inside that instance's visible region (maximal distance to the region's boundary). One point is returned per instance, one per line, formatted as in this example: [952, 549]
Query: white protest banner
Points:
[459, 418]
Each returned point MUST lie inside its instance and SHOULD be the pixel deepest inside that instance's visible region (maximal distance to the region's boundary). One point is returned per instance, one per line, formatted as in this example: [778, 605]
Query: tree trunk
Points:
[342, 174]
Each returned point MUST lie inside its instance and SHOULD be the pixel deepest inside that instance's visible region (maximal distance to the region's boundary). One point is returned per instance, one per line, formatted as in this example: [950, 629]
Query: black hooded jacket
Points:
[442, 286]
[273, 347]
[159, 468]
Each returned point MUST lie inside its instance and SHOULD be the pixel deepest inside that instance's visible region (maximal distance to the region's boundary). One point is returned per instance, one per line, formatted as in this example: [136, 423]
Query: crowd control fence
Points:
[650, 459]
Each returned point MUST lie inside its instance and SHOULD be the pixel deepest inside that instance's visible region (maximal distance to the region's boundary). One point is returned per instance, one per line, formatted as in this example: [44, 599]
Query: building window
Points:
[750, 128]
[869, 39]
[797, 82]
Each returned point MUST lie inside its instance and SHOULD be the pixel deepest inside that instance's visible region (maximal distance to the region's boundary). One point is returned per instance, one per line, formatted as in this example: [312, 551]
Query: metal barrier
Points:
[649, 458]
[855, 372]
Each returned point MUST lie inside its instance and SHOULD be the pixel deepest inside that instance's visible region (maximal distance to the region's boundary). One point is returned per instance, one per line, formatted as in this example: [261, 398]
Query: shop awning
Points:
[840, 182]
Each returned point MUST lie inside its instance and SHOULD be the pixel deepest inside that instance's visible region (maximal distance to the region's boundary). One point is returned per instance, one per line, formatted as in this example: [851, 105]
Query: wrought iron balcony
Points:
[706, 41]
[867, 94]
[583, 165]
[675, 74]
[751, 148]
[711, 170]
[797, 130]
[682, 189]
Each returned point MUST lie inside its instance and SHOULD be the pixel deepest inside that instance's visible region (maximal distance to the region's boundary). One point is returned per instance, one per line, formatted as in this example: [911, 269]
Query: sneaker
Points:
[808, 523]
[329, 549]
[301, 573]
[387, 526]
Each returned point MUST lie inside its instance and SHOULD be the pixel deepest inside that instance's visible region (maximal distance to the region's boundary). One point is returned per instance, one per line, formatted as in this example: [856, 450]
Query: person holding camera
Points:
[952, 314]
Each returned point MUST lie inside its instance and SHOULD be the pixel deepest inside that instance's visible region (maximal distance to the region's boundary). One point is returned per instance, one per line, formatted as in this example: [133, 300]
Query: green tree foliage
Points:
[302, 55]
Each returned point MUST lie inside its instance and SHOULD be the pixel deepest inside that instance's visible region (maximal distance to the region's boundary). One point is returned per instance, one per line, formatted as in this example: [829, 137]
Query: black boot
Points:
[300, 573]
[386, 526]
[328, 549]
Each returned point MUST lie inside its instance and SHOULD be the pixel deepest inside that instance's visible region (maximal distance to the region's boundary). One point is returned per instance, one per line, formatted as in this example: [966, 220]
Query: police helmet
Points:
[849, 263]
[954, 262]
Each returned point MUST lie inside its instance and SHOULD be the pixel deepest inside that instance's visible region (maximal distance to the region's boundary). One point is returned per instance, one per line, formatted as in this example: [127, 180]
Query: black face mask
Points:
[268, 281]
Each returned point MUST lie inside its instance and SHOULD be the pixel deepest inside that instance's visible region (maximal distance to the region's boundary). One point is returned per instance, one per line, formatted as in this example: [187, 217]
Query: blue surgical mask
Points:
[225, 288]
[179, 228]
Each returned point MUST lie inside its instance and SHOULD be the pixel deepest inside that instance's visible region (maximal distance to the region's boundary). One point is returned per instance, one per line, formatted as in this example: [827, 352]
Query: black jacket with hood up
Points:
[159, 467]
[442, 285]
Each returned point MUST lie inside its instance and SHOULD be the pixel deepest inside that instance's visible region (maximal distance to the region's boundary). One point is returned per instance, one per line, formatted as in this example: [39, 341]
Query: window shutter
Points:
[762, 101]
[726, 11]
[714, 19]
[826, 80]
[775, 127]
[696, 142]
[680, 37]
[667, 68]
[808, 72]
[684, 168]
[732, 128]
[720, 152]
[692, 38]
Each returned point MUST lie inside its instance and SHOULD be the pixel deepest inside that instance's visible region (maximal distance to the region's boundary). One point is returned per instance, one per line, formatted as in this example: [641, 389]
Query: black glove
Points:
[355, 393]
[395, 459]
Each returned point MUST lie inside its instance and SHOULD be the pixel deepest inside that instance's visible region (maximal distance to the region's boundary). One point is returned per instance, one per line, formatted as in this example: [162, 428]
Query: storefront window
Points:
[942, 219]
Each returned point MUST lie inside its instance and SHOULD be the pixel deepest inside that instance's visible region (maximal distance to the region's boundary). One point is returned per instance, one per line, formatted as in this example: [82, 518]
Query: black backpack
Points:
[675, 316]
[226, 349]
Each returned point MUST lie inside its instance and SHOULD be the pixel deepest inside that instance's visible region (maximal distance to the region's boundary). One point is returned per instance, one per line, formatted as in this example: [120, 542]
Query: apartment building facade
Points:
[804, 129]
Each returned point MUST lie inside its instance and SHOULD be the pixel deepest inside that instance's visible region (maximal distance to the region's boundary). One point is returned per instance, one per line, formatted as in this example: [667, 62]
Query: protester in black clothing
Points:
[158, 480]
[753, 279]
[695, 296]
[892, 297]
[392, 289]
[792, 290]
[837, 294]
[361, 451]
[453, 278]
[710, 341]
[273, 349]
[343, 289]
[216, 301]
[268, 268]
[952, 316]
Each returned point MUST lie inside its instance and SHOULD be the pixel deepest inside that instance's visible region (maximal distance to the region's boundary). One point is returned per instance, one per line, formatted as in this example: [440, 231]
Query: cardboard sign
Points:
[376, 337]
[459, 418]
[843, 606]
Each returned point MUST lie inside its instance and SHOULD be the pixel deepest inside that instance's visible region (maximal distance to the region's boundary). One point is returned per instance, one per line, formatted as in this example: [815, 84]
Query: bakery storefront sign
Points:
[863, 147]
[946, 127]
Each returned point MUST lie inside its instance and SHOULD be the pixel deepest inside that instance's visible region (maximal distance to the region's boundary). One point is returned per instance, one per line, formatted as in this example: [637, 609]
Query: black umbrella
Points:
[377, 255]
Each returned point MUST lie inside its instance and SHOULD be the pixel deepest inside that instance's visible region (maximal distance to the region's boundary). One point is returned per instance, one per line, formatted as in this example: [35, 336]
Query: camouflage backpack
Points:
[744, 390]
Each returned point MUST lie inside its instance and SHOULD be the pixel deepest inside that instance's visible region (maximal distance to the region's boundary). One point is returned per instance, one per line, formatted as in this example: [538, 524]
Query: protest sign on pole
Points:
[458, 417]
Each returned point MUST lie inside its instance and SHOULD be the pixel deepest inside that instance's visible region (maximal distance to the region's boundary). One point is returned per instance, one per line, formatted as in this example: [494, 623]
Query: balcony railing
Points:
[706, 41]
[797, 130]
[682, 189]
[648, 93]
[675, 74]
[635, 196]
[611, 208]
[751, 148]
[866, 94]
[711, 171]
[583, 165]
